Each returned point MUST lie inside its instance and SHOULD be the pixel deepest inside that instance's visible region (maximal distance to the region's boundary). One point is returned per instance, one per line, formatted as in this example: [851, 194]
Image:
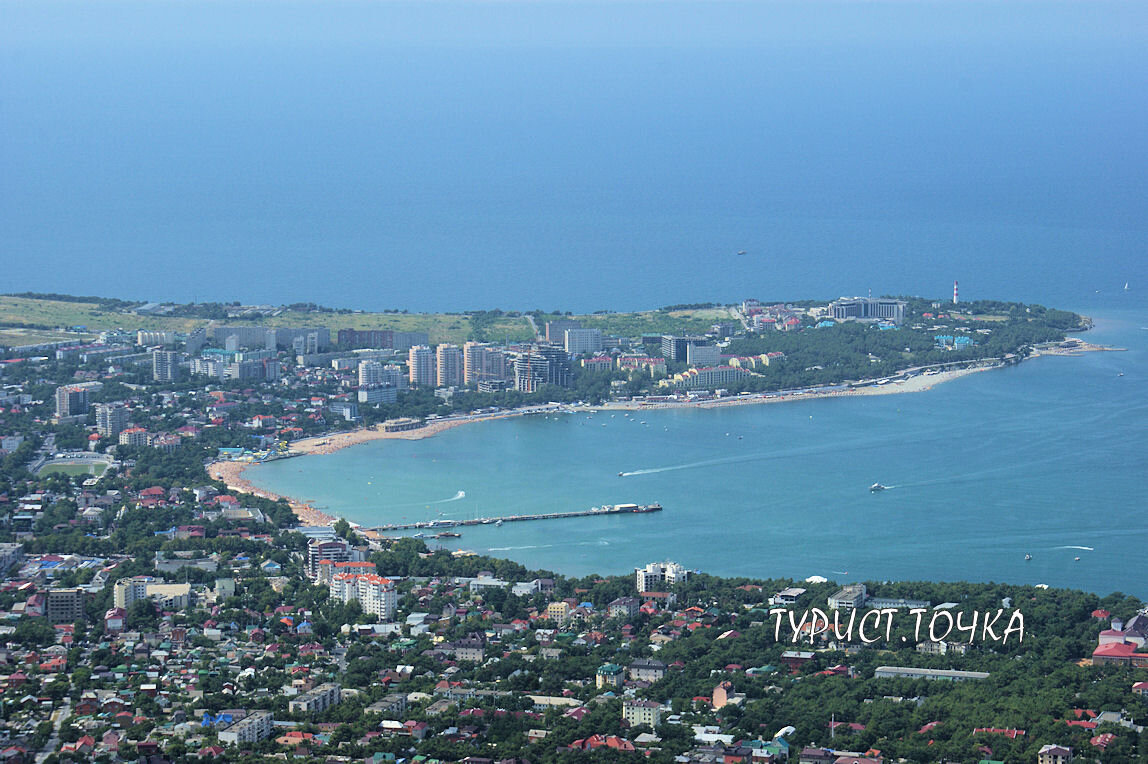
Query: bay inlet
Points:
[1044, 459]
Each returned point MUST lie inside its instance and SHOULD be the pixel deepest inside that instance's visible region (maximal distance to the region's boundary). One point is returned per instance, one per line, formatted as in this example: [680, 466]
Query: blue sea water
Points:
[616, 155]
[573, 155]
[1048, 459]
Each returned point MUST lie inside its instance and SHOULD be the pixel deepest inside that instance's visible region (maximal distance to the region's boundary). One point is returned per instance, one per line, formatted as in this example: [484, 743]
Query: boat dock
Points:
[616, 509]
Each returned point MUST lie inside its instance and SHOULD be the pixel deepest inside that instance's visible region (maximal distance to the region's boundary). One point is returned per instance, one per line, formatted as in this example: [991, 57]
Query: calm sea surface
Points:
[1048, 459]
[576, 155]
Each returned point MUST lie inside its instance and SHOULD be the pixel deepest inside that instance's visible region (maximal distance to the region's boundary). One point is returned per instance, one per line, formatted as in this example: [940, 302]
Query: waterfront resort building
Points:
[867, 308]
[656, 575]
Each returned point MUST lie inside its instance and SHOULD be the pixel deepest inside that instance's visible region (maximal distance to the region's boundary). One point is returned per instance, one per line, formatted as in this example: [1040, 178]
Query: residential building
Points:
[370, 373]
[164, 365]
[647, 670]
[542, 365]
[448, 365]
[65, 605]
[623, 607]
[73, 400]
[635, 712]
[675, 348]
[196, 339]
[657, 575]
[10, 555]
[335, 550]
[147, 338]
[316, 700]
[530, 373]
[111, 419]
[421, 366]
[251, 729]
[483, 363]
[558, 611]
[127, 591]
[556, 330]
[1053, 754]
[133, 436]
[609, 675]
[376, 394]
[376, 595]
[582, 341]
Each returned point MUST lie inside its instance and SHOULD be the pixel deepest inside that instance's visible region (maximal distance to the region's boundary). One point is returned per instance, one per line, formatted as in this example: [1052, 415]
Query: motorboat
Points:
[878, 487]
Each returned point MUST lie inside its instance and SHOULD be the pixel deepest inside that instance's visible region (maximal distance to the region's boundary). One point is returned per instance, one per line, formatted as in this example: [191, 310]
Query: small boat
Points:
[1076, 559]
[498, 524]
[1121, 374]
[743, 252]
[878, 487]
[621, 474]
[1027, 557]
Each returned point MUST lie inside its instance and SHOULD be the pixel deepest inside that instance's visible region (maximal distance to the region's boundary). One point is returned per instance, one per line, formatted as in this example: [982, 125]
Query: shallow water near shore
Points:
[1048, 459]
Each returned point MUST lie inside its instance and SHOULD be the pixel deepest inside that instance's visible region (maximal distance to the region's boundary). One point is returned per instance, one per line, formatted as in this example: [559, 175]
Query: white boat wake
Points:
[1073, 546]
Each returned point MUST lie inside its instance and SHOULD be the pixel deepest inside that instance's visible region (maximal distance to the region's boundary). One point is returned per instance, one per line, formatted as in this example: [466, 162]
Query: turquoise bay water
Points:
[1040, 459]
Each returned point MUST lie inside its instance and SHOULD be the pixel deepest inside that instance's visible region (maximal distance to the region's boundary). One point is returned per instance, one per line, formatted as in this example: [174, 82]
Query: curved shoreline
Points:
[230, 473]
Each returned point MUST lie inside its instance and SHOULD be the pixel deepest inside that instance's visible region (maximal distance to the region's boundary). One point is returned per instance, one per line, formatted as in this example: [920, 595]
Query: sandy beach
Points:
[231, 473]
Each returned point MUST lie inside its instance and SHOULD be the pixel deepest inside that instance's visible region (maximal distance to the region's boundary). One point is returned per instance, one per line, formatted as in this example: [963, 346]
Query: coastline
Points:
[230, 473]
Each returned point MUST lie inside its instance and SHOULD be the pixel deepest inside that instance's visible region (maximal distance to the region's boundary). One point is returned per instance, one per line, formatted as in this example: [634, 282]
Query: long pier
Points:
[605, 510]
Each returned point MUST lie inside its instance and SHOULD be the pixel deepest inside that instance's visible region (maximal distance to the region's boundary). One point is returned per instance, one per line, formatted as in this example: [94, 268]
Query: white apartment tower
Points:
[449, 365]
[421, 362]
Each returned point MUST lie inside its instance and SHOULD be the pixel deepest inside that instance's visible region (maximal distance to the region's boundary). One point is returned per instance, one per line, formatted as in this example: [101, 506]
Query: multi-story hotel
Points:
[867, 308]
[656, 575]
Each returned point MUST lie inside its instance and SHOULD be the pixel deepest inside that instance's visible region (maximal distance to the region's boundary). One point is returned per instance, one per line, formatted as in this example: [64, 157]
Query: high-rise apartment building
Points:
[448, 365]
[111, 419]
[370, 373]
[482, 362]
[421, 364]
[376, 595]
[73, 400]
[64, 605]
[542, 365]
[164, 366]
[556, 330]
[582, 341]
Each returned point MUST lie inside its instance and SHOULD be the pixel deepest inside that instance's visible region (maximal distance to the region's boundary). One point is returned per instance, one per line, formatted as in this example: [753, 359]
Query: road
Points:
[58, 717]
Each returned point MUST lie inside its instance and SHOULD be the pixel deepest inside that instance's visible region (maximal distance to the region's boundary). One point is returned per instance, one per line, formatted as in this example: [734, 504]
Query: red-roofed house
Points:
[1120, 653]
[1103, 741]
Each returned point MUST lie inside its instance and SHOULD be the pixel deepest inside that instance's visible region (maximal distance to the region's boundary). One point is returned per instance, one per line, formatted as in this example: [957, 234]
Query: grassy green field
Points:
[73, 469]
[655, 321]
[16, 337]
[47, 315]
